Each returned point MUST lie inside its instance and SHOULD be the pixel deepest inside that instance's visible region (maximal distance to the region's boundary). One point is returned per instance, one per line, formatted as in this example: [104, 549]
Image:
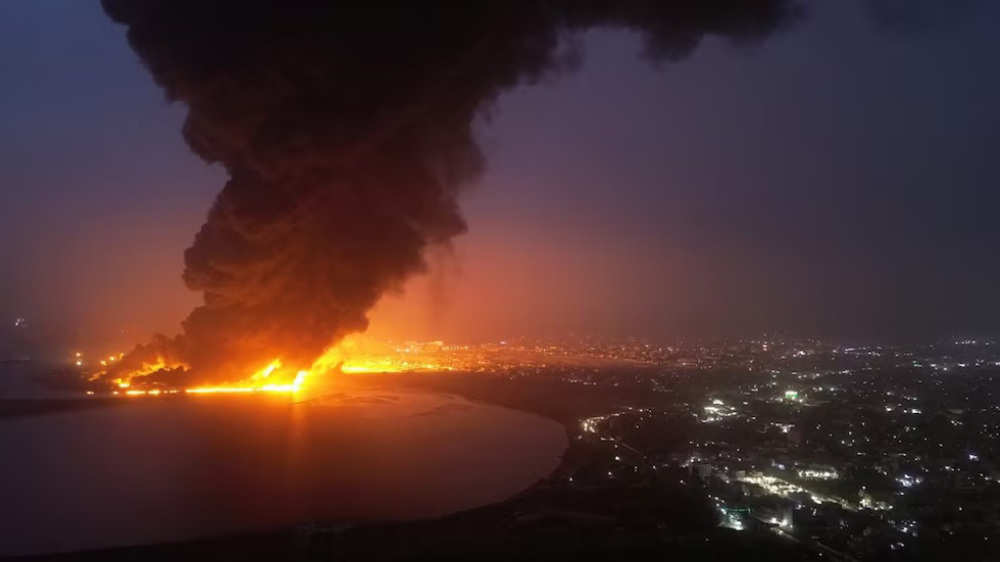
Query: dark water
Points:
[181, 467]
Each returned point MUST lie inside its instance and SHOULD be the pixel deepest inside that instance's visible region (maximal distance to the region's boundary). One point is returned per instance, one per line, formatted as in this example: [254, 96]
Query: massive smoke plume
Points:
[346, 132]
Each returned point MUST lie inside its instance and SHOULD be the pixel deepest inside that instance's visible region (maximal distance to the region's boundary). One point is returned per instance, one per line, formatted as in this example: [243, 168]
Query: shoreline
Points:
[545, 520]
[26, 408]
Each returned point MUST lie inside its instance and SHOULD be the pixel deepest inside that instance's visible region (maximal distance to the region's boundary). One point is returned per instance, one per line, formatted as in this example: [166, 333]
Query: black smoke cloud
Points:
[346, 132]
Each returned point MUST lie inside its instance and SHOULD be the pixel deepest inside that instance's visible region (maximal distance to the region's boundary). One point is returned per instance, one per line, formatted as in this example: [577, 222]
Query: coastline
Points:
[544, 521]
[267, 540]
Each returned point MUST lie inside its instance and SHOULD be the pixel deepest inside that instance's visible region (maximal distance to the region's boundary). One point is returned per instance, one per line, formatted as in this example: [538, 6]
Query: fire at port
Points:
[353, 355]
[347, 134]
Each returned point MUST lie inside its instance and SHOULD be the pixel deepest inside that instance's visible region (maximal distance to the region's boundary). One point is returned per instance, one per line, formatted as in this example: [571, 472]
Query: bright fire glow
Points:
[346, 357]
[295, 386]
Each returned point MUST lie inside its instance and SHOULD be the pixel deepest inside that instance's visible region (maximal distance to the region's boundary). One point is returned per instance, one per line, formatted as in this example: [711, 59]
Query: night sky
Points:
[837, 179]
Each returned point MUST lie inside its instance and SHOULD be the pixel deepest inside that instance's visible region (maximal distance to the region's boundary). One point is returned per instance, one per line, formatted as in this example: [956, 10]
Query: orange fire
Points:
[356, 355]
[257, 383]
[346, 357]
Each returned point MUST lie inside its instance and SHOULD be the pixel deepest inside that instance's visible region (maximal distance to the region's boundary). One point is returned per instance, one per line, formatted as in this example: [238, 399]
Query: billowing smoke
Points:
[346, 132]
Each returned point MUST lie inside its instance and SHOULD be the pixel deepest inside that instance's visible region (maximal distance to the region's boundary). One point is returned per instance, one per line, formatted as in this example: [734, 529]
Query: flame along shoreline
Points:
[341, 359]
[274, 388]
[244, 388]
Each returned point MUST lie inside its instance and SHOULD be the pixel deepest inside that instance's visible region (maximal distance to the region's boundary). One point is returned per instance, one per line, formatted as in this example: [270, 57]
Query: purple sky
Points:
[838, 179]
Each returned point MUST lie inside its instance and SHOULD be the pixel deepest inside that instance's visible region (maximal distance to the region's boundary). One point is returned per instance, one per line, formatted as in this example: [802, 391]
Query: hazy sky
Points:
[840, 178]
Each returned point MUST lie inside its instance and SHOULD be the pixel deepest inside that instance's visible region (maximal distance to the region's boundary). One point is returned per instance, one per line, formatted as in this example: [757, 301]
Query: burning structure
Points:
[346, 130]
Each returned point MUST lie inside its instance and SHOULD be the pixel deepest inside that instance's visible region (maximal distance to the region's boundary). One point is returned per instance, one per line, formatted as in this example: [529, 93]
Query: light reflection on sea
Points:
[173, 468]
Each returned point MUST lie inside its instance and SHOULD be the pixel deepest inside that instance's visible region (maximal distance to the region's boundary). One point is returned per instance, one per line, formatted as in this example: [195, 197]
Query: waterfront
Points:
[175, 468]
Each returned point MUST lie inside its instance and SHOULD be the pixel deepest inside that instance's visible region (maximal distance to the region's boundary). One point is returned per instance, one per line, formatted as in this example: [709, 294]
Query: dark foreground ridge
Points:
[482, 535]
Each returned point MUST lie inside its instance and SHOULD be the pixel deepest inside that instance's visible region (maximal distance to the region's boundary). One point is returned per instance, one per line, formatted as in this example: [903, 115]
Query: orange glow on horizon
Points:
[346, 357]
